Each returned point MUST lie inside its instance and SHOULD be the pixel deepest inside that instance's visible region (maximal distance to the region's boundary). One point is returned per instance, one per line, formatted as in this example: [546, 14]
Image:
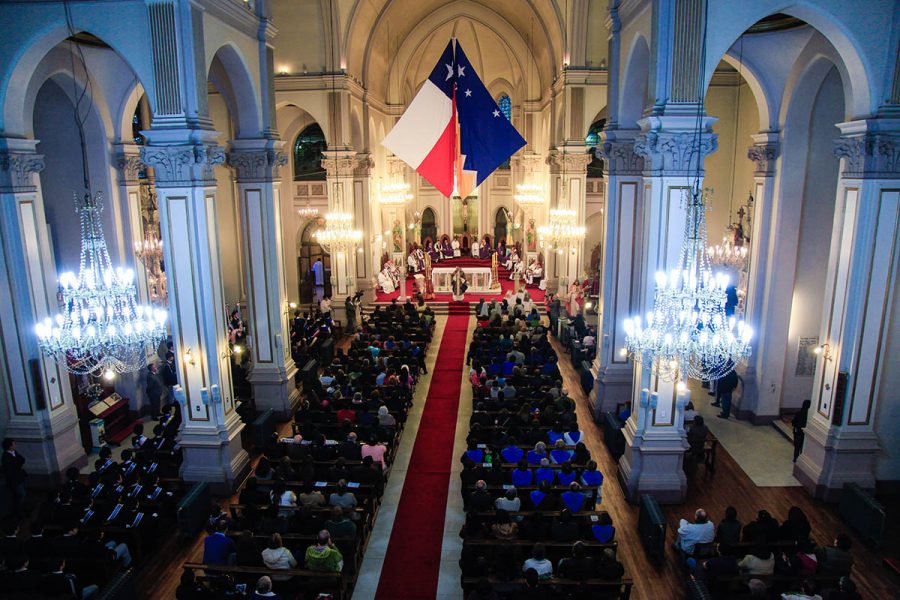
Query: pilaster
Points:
[366, 218]
[183, 162]
[339, 167]
[40, 412]
[568, 176]
[768, 288]
[257, 164]
[622, 267]
[841, 440]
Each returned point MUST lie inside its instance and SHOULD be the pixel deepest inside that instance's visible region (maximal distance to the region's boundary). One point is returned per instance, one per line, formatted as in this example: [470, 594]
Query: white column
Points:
[257, 164]
[770, 286]
[652, 463]
[339, 166]
[364, 208]
[841, 442]
[183, 161]
[621, 270]
[41, 416]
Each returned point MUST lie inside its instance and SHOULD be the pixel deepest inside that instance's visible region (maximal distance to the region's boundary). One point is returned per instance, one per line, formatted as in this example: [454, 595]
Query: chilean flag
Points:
[452, 124]
[425, 136]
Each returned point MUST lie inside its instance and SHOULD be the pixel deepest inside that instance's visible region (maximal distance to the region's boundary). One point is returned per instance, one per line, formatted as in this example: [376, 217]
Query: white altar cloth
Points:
[478, 278]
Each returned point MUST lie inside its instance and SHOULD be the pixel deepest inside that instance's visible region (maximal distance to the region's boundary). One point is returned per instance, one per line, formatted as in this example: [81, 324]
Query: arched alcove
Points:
[306, 154]
[429, 225]
[308, 252]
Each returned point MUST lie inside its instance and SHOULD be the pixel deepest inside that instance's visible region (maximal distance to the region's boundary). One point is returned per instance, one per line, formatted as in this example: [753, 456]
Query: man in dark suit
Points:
[156, 391]
[14, 471]
[59, 584]
[169, 372]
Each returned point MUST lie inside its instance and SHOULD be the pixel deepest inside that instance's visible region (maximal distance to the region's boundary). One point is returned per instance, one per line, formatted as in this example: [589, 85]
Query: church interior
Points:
[306, 302]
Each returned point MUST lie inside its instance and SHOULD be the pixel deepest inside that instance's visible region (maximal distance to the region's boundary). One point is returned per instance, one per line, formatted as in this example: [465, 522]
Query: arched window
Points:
[592, 139]
[308, 150]
[429, 225]
[505, 105]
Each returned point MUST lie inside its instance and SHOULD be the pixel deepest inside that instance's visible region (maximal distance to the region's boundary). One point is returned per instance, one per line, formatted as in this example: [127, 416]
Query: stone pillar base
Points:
[48, 456]
[274, 388]
[612, 387]
[217, 457]
[746, 406]
[652, 466]
[832, 458]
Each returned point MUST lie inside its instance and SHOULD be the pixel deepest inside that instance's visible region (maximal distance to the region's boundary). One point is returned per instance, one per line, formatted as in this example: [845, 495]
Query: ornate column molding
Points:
[764, 152]
[183, 165]
[674, 153]
[365, 164]
[569, 163]
[17, 171]
[620, 157]
[259, 164]
[129, 166]
[871, 155]
[339, 163]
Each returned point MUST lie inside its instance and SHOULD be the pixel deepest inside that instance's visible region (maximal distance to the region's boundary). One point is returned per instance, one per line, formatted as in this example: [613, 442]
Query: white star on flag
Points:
[461, 70]
[468, 93]
[496, 113]
[449, 71]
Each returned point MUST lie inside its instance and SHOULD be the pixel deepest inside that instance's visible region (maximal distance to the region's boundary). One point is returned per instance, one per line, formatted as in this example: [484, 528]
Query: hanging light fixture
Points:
[687, 333]
[561, 231]
[338, 235]
[728, 256]
[102, 328]
[150, 253]
[308, 211]
[529, 194]
[395, 194]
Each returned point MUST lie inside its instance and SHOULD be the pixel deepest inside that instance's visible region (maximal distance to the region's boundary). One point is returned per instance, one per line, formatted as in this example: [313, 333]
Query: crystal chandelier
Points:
[150, 253]
[308, 211]
[529, 194]
[338, 236]
[101, 328]
[395, 193]
[687, 334]
[562, 230]
[728, 256]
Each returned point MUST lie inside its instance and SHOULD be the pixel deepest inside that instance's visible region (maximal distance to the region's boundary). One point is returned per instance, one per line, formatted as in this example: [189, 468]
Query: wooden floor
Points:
[158, 578]
[729, 486]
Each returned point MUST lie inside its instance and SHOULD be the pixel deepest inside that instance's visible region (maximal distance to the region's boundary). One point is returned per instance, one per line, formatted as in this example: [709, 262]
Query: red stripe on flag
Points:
[437, 167]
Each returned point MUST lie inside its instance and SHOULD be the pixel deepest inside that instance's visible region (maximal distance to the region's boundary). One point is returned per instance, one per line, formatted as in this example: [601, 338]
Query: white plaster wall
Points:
[815, 235]
[731, 157]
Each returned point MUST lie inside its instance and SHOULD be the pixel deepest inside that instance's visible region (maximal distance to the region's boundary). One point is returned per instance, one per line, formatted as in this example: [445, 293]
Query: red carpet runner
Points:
[413, 557]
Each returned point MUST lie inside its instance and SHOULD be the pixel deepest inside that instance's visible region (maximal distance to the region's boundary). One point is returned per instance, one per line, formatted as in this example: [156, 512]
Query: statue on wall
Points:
[397, 236]
[531, 236]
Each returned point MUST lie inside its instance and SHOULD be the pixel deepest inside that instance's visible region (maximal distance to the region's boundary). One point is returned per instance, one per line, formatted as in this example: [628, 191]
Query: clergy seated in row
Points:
[534, 273]
[432, 251]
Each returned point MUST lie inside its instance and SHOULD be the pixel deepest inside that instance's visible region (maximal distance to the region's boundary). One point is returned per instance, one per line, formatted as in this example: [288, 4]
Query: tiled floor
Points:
[760, 450]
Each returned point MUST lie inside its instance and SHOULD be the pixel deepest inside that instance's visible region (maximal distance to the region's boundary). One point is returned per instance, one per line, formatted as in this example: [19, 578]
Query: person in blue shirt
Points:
[522, 475]
[543, 498]
[560, 454]
[592, 479]
[539, 452]
[574, 499]
[218, 548]
[603, 531]
[567, 474]
[512, 454]
[545, 473]
[556, 433]
[473, 453]
[572, 437]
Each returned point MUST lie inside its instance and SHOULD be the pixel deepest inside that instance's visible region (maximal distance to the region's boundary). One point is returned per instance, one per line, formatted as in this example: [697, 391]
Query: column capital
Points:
[256, 163]
[764, 152]
[529, 162]
[339, 163]
[17, 170]
[183, 165]
[569, 160]
[669, 143]
[127, 159]
[365, 163]
[871, 150]
[618, 153]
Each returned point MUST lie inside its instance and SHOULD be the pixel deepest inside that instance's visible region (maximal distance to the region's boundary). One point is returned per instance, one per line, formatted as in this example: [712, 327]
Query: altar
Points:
[478, 278]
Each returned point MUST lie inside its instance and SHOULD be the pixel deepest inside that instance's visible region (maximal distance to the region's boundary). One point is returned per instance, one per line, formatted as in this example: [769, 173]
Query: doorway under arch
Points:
[501, 222]
[308, 252]
[429, 225]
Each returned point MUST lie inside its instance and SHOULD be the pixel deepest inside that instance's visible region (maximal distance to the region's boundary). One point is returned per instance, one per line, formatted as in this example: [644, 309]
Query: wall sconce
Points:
[824, 350]
[109, 375]
[188, 356]
[623, 352]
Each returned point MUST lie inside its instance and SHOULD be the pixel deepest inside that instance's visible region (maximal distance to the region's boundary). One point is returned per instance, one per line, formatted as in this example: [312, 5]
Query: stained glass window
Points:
[505, 105]
[592, 140]
[308, 148]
